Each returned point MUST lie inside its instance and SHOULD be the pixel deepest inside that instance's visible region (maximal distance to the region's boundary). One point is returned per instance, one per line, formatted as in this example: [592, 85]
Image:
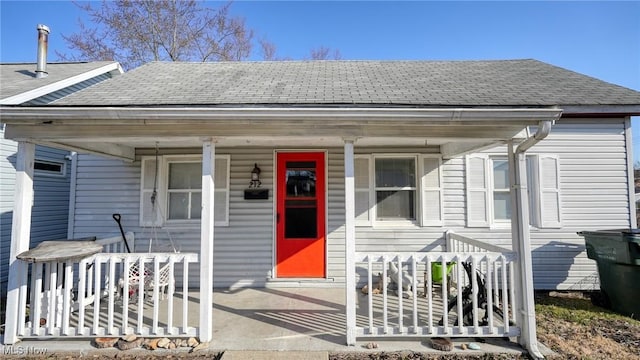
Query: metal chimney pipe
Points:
[43, 41]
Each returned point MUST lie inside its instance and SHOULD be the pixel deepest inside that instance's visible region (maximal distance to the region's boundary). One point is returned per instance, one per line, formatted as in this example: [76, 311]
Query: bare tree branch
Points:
[134, 32]
[325, 53]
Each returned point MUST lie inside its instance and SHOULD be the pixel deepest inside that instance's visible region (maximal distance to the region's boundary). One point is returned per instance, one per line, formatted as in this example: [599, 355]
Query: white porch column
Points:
[206, 240]
[350, 240]
[521, 242]
[20, 235]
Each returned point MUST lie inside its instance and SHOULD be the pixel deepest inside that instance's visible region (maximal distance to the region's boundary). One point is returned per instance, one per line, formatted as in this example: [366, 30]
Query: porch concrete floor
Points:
[283, 319]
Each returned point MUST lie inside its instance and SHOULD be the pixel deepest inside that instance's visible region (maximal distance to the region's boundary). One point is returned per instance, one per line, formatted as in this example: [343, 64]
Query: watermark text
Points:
[19, 350]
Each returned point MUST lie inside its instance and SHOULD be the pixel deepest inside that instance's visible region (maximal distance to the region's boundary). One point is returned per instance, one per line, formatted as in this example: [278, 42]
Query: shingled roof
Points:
[505, 83]
[19, 78]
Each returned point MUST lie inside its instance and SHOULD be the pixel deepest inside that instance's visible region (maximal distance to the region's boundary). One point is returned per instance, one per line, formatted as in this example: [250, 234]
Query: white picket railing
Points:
[485, 304]
[102, 296]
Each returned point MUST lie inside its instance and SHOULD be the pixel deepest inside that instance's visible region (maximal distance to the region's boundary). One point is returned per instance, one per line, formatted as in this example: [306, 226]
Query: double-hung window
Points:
[177, 181]
[184, 190]
[488, 191]
[397, 189]
[499, 182]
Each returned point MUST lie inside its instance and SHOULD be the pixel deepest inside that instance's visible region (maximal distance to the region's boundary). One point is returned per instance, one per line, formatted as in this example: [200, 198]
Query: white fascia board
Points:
[161, 115]
[627, 110]
[113, 68]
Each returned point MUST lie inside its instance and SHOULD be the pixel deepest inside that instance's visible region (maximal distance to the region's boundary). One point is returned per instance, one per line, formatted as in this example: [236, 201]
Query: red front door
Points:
[300, 229]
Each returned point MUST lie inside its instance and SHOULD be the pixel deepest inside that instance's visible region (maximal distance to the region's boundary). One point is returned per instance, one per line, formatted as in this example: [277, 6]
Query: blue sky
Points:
[600, 39]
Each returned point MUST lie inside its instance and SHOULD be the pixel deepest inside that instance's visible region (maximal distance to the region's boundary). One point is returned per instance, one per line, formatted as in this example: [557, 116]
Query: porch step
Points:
[274, 355]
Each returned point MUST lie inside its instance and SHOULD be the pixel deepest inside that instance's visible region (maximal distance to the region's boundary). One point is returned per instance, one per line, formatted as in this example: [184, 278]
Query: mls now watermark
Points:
[23, 350]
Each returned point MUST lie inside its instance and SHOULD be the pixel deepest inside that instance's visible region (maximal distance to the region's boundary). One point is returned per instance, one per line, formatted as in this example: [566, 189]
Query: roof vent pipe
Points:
[43, 40]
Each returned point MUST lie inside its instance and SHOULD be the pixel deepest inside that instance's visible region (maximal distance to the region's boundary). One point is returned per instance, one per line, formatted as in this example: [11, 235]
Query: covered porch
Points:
[507, 272]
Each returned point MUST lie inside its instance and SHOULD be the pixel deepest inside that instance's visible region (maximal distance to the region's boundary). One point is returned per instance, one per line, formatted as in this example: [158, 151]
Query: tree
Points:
[324, 53]
[135, 32]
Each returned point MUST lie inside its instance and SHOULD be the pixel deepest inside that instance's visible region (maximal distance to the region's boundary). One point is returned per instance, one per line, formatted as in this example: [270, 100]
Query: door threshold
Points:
[300, 282]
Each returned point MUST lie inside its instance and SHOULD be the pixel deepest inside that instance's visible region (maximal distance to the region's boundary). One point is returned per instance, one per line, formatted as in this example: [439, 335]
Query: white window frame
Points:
[168, 161]
[422, 208]
[375, 189]
[221, 194]
[493, 222]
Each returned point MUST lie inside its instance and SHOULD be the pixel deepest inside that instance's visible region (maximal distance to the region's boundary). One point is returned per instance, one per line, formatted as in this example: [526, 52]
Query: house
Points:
[53, 172]
[320, 173]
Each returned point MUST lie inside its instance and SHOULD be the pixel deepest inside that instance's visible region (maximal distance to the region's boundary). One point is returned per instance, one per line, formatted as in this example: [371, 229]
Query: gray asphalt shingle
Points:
[17, 78]
[373, 83]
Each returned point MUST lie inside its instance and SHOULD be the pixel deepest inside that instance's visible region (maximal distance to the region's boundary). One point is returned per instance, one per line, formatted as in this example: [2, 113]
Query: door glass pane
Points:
[301, 219]
[301, 179]
[301, 208]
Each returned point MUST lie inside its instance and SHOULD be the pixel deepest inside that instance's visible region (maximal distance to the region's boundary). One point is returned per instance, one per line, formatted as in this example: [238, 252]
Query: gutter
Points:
[118, 115]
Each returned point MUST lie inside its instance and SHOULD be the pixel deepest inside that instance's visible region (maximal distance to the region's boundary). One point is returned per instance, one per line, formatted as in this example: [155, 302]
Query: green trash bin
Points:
[617, 253]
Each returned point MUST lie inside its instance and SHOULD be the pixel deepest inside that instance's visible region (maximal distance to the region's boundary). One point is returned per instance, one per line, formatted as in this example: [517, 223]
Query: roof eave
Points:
[162, 115]
[600, 110]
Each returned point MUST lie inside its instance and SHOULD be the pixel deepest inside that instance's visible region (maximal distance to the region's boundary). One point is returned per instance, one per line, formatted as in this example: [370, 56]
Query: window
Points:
[178, 180]
[500, 188]
[49, 168]
[184, 190]
[488, 191]
[395, 188]
[388, 191]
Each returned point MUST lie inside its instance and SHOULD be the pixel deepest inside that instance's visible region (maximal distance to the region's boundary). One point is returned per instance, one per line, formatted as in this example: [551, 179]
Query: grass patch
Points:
[578, 310]
[574, 328]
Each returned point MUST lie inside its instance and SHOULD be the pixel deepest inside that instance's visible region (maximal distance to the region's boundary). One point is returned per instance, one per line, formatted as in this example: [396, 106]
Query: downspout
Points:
[521, 237]
[544, 127]
[525, 307]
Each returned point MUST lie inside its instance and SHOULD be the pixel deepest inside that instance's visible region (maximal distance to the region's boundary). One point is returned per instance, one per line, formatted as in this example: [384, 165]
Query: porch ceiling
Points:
[118, 132]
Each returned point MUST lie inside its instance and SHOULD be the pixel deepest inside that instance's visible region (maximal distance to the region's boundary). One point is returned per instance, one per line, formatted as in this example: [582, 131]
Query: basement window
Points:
[49, 168]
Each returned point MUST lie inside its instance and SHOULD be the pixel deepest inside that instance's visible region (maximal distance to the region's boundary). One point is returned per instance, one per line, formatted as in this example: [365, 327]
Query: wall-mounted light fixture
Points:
[255, 177]
[254, 192]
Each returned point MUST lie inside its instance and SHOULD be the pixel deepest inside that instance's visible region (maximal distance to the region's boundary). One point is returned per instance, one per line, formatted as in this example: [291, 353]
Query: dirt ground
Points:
[575, 329]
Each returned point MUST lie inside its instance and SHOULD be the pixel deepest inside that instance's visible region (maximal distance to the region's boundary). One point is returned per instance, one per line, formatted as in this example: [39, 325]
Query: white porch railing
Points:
[98, 295]
[476, 300]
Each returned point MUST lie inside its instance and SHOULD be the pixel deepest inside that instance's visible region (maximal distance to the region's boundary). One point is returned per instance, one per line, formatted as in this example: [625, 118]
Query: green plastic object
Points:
[436, 271]
[617, 254]
[619, 246]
